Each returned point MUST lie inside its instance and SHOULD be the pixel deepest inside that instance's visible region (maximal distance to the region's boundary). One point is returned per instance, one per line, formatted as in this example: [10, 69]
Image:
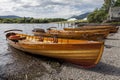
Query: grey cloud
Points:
[16, 1]
[50, 7]
[44, 4]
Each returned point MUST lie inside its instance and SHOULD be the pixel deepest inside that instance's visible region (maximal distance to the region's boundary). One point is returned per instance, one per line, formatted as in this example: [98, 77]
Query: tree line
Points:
[30, 20]
[99, 15]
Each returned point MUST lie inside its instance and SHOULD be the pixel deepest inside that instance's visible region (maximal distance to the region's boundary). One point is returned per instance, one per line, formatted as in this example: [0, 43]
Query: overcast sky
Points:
[48, 8]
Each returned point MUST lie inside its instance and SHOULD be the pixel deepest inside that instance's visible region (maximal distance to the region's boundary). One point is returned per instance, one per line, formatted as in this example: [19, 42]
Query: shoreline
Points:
[17, 65]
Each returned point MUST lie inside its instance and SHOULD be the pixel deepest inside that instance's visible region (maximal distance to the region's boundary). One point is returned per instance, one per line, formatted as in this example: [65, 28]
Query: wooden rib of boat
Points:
[112, 29]
[81, 52]
[86, 35]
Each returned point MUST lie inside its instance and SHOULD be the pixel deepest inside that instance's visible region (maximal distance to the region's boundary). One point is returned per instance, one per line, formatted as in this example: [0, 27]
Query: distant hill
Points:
[10, 16]
[82, 16]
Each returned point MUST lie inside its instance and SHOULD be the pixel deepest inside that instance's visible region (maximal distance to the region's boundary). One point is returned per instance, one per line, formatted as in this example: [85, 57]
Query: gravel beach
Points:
[17, 65]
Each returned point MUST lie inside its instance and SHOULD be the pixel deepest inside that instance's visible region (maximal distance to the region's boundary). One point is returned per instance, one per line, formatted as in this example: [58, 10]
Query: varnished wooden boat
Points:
[112, 29]
[82, 52]
[86, 35]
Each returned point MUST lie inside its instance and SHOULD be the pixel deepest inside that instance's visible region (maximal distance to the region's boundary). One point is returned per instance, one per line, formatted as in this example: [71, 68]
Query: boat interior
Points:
[23, 38]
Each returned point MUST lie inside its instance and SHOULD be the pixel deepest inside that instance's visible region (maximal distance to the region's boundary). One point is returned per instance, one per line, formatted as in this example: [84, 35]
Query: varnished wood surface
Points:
[112, 29]
[81, 52]
[84, 34]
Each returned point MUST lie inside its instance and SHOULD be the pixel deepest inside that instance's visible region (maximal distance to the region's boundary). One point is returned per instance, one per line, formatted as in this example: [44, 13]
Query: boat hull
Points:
[111, 29]
[85, 35]
[83, 54]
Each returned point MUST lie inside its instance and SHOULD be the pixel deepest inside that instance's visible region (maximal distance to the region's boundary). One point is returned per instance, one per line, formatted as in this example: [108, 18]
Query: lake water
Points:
[15, 64]
[27, 28]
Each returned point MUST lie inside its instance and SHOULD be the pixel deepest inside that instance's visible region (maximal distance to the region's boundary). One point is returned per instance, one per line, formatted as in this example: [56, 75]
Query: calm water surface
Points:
[15, 64]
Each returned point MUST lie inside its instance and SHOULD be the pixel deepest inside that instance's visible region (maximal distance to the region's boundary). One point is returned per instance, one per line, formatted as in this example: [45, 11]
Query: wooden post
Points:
[64, 24]
[68, 24]
[61, 24]
[58, 24]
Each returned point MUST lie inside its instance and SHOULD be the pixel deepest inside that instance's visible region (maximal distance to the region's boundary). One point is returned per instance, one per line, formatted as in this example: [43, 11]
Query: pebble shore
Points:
[22, 66]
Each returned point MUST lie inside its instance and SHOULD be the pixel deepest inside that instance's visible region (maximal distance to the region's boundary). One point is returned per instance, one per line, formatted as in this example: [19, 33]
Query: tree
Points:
[117, 3]
[107, 4]
[100, 15]
[30, 20]
[97, 16]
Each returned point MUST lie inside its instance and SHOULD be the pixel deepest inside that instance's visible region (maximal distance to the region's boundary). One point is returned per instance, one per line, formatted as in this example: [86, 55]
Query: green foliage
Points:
[106, 5]
[30, 20]
[99, 15]
[117, 3]
[115, 23]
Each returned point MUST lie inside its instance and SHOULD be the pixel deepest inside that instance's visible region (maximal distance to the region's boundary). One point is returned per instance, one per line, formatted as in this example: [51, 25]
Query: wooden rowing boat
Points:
[112, 29]
[86, 35]
[82, 52]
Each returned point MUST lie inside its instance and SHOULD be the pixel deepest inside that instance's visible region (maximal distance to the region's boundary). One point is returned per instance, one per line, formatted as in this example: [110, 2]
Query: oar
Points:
[13, 30]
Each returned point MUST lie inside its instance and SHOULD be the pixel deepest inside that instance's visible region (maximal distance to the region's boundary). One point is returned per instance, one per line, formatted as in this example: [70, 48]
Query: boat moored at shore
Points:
[82, 52]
